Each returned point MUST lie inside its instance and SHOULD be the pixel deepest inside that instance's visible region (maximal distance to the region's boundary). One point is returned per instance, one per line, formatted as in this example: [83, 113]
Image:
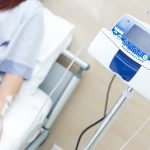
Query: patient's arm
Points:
[10, 85]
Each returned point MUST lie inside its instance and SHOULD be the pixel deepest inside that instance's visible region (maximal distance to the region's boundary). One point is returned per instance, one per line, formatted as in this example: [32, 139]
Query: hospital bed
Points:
[28, 122]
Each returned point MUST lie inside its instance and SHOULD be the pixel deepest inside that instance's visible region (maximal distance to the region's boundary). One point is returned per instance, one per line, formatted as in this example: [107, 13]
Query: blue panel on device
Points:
[124, 66]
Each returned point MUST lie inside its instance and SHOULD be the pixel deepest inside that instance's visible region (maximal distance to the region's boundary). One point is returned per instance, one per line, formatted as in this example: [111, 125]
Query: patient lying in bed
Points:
[23, 53]
[21, 33]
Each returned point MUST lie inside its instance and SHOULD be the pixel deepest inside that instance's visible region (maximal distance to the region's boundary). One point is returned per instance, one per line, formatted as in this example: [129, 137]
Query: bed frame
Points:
[60, 96]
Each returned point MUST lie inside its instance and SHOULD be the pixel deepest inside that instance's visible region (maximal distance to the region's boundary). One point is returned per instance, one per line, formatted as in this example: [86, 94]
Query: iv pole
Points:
[110, 116]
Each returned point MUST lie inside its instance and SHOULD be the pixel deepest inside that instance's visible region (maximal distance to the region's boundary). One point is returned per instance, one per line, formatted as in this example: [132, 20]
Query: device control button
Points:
[140, 54]
[130, 46]
[115, 32]
[145, 57]
[135, 50]
[125, 42]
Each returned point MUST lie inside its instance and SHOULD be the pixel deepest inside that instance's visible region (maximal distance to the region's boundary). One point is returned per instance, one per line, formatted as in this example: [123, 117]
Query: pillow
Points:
[58, 35]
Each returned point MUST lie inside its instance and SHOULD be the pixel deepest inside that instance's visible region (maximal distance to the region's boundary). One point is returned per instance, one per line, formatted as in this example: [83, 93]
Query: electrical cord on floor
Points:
[100, 120]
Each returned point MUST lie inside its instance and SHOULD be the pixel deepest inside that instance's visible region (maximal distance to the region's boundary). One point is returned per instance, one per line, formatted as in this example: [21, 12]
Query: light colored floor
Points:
[87, 103]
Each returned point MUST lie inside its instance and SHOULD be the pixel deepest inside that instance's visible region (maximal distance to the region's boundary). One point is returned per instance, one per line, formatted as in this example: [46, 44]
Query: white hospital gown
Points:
[21, 31]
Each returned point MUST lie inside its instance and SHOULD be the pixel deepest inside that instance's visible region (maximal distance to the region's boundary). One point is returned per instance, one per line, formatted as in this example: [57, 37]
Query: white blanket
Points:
[19, 119]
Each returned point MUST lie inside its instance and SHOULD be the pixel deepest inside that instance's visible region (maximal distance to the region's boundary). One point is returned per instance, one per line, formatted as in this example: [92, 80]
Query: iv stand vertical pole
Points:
[96, 137]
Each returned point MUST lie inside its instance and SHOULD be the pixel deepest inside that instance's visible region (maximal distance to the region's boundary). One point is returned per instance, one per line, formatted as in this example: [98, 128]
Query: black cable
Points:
[82, 133]
[100, 120]
[107, 95]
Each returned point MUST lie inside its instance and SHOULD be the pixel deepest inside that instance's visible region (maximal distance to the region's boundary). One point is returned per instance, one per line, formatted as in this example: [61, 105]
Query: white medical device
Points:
[125, 50]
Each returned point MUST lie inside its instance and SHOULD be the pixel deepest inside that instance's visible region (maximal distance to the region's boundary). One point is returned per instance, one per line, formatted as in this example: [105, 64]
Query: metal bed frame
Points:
[60, 96]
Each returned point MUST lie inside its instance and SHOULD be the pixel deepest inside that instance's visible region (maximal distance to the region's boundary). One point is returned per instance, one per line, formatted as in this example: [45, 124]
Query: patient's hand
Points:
[1, 125]
[2, 109]
[4, 105]
[9, 87]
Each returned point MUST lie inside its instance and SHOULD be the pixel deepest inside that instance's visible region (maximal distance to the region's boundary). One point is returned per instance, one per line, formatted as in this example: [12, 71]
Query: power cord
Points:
[100, 120]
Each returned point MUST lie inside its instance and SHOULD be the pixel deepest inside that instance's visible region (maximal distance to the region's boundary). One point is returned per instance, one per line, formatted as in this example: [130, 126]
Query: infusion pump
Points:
[125, 50]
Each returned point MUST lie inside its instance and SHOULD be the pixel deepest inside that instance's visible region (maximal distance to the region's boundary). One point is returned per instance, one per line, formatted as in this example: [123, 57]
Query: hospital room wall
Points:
[87, 102]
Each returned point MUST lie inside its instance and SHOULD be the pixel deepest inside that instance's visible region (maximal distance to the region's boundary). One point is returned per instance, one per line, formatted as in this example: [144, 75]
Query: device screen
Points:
[139, 38]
